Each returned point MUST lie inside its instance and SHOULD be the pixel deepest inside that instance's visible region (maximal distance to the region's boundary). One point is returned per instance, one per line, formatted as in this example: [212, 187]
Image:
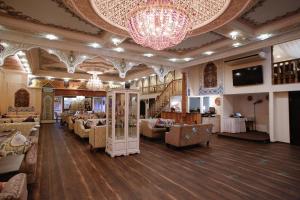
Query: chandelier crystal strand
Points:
[94, 83]
[158, 24]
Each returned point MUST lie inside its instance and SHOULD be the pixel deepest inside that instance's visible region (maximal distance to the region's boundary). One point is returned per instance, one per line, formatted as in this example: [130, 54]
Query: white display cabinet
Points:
[122, 133]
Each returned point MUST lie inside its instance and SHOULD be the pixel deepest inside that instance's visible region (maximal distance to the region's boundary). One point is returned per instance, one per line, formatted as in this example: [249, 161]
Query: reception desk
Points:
[188, 118]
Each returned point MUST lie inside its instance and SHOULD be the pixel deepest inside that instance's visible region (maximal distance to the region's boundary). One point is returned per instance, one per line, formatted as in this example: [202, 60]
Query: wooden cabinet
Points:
[122, 133]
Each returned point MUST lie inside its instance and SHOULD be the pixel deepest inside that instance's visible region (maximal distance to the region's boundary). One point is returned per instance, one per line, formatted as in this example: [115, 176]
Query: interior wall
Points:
[281, 117]
[12, 81]
[267, 86]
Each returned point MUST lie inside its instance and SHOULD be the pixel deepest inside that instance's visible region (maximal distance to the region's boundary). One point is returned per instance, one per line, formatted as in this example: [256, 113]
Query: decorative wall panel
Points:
[22, 98]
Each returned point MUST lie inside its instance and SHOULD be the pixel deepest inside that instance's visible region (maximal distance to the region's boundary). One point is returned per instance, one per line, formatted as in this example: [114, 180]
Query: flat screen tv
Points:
[248, 76]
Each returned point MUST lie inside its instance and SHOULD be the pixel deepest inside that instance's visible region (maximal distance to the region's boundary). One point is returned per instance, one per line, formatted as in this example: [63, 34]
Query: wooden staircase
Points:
[174, 88]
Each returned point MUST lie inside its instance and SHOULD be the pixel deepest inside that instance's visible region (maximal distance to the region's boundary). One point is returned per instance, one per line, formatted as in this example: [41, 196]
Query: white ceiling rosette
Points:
[122, 65]
[161, 71]
[70, 59]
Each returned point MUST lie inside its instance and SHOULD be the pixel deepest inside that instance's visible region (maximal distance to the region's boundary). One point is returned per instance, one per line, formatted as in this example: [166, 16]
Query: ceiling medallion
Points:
[159, 24]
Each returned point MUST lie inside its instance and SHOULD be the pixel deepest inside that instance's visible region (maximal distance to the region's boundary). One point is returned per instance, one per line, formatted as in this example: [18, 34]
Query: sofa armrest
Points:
[15, 188]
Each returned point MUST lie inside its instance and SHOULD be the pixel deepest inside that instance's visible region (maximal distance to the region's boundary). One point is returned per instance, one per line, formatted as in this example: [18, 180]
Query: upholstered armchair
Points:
[149, 129]
[97, 136]
[70, 123]
[81, 130]
[15, 188]
[186, 135]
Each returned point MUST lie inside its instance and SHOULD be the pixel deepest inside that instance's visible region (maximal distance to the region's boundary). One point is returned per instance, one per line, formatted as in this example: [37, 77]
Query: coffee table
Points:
[10, 166]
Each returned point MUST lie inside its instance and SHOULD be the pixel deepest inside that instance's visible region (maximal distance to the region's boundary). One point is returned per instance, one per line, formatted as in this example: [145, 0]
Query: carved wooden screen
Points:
[22, 98]
[210, 76]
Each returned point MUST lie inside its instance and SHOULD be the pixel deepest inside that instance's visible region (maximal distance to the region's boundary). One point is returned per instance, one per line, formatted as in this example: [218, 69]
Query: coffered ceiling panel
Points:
[268, 10]
[49, 12]
[197, 41]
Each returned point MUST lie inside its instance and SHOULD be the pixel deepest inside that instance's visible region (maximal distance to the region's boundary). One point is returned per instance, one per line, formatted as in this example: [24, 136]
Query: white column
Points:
[271, 117]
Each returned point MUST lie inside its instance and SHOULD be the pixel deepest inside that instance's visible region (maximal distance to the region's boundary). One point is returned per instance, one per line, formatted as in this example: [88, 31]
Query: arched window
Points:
[22, 98]
[210, 76]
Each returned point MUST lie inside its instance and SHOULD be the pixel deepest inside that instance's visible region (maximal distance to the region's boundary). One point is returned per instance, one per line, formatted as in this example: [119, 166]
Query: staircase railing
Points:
[174, 88]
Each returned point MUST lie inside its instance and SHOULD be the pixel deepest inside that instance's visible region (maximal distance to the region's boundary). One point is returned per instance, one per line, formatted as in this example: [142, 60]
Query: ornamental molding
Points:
[122, 65]
[211, 91]
[161, 71]
[12, 12]
[110, 14]
[71, 59]
[9, 49]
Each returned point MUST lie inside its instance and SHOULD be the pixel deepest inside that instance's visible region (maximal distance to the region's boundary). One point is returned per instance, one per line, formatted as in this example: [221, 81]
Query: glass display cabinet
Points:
[122, 133]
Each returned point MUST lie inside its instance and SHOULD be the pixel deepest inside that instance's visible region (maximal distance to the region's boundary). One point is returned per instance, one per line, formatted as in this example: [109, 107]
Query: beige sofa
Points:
[147, 128]
[186, 135]
[16, 120]
[80, 130]
[97, 137]
[24, 127]
[15, 188]
[70, 123]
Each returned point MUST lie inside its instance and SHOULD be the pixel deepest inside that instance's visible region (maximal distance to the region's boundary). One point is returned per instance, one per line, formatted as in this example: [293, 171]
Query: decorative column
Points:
[184, 94]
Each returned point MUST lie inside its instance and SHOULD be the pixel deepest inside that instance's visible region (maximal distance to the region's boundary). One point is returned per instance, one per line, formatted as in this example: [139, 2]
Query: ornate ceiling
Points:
[78, 29]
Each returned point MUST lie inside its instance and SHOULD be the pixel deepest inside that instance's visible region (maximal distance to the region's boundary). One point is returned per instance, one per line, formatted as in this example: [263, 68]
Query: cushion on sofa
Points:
[15, 145]
[29, 119]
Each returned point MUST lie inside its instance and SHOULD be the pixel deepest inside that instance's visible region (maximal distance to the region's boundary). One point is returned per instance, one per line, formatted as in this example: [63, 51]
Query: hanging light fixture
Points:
[158, 24]
[94, 83]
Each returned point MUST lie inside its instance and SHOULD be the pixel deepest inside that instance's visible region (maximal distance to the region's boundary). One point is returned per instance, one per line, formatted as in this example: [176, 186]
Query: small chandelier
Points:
[94, 83]
[158, 24]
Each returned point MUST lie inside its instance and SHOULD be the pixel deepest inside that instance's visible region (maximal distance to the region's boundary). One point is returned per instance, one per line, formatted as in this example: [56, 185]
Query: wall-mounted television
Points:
[248, 76]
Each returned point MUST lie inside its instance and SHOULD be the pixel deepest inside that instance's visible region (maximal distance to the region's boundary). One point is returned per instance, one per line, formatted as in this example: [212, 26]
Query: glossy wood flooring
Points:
[229, 169]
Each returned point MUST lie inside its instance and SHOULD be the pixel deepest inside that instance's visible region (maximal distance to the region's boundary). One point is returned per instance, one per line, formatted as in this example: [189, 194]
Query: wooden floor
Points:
[252, 136]
[229, 169]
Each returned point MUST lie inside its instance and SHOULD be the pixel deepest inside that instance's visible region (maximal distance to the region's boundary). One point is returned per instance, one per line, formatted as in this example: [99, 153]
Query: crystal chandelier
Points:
[158, 24]
[94, 83]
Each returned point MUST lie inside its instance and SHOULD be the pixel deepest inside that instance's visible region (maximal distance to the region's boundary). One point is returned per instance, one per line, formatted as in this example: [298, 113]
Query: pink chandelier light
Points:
[158, 24]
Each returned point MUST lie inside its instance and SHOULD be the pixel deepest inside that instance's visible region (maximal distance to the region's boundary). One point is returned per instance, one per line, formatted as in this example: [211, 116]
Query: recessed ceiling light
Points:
[153, 75]
[94, 45]
[236, 44]
[264, 36]
[136, 79]
[149, 55]
[51, 37]
[234, 34]
[173, 59]
[144, 77]
[119, 49]
[4, 44]
[188, 59]
[278, 56]
[208, 53]
[49, 77]
[116, 41]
